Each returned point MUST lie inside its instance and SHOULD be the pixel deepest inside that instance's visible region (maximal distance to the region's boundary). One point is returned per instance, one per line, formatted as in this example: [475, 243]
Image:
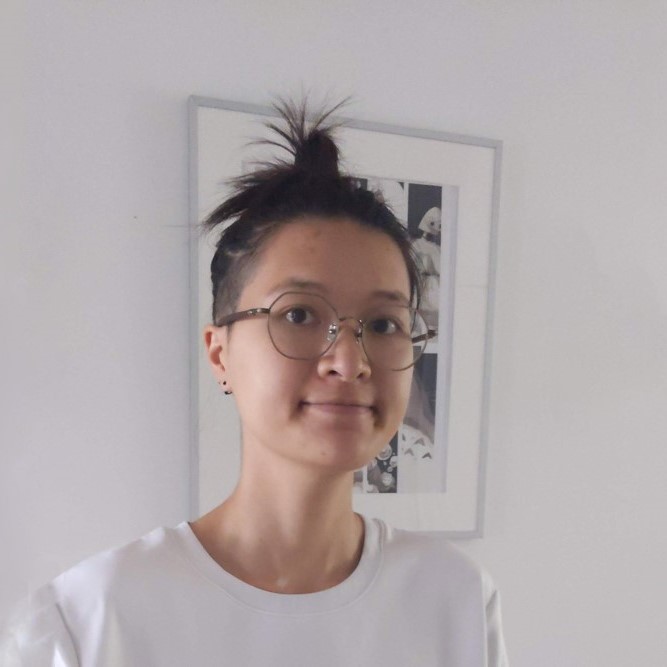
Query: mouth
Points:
[339, 408]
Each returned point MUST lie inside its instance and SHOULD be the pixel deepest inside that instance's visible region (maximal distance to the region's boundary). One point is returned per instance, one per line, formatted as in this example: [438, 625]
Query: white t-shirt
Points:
[414, 600]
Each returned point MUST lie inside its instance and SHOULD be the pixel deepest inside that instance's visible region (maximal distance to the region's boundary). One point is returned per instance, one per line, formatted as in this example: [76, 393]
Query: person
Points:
[315, 331]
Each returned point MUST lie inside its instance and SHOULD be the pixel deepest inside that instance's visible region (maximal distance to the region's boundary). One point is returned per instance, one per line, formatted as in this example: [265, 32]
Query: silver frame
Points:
[194, 103]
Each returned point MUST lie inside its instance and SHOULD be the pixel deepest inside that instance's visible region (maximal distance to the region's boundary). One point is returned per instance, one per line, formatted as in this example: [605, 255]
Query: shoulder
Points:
[432, 557]
[435, 579]
[107, 569]
[117, 574]
[46, 621]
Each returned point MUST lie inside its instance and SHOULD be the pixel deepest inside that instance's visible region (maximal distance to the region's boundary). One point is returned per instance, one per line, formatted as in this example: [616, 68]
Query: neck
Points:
[285, 531]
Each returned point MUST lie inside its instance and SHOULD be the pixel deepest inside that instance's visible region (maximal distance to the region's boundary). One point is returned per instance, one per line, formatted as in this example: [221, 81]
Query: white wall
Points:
[95, 423]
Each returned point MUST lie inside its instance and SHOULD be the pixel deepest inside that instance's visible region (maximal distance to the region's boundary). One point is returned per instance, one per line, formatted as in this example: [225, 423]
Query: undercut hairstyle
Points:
[308, 186]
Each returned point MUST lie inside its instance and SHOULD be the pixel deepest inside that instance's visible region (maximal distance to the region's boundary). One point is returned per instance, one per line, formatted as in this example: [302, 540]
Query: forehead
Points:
[339, 257]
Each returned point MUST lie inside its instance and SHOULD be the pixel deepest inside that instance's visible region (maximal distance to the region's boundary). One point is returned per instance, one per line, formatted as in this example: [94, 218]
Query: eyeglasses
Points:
[304, 326]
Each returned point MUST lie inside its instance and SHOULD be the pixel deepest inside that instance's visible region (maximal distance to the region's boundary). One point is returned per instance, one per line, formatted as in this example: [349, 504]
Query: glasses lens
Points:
[299, 328]
[299, 325]
[389, 334]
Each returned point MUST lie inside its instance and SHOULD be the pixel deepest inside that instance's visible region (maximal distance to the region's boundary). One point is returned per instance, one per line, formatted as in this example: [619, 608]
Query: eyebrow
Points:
[298, 283]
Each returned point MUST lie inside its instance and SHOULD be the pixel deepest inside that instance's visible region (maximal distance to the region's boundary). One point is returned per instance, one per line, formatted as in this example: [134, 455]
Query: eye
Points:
[299, 315]
[384, 326]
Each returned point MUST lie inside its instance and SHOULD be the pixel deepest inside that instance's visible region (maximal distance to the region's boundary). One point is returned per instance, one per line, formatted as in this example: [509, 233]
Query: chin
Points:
[343, 453]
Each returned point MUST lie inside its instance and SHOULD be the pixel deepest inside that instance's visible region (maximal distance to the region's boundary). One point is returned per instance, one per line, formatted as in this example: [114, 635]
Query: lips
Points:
[339, 407]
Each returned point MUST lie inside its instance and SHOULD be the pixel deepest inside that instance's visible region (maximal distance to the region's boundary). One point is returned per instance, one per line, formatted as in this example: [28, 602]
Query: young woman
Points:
[315, 332]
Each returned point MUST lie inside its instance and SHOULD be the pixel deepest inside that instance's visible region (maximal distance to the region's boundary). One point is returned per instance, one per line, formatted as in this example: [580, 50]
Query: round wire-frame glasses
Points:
[393, 337]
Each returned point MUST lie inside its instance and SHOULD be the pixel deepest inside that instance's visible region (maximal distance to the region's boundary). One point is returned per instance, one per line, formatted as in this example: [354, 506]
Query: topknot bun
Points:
[269, 184]
[310, 141]
[318, 155]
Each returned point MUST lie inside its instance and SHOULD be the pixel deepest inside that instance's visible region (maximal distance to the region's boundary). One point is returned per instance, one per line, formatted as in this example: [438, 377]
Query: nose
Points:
[346, 357]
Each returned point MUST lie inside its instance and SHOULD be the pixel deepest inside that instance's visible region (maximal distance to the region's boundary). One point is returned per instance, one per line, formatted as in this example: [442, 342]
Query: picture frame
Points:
[446, 189]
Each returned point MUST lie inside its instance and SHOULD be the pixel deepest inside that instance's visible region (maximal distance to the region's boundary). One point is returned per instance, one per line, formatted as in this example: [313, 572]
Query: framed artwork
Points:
[445, 189]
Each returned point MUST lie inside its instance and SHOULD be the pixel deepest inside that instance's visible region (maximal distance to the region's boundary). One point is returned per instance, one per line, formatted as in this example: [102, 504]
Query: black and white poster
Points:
[415, 460]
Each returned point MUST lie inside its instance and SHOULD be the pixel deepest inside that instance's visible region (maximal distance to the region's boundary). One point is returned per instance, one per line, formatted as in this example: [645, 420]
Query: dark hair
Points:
[279, 192]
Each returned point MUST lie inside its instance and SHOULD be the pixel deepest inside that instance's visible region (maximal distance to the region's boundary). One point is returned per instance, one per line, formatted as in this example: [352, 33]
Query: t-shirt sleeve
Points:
[36, 636]
[496, 652]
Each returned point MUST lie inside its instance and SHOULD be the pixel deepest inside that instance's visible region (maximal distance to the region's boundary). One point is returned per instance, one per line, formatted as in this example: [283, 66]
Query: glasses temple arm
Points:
[431, 333]
[242, 315]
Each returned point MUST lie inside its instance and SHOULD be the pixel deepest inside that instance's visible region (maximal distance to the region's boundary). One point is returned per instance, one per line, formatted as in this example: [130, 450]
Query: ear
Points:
[215, 344]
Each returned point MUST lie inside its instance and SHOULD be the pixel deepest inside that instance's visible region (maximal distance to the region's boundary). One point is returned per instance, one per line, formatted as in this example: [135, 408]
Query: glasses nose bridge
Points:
[335, 328]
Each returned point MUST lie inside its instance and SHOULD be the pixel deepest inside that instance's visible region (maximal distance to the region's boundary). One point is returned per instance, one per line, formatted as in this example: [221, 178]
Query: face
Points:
[291, 409]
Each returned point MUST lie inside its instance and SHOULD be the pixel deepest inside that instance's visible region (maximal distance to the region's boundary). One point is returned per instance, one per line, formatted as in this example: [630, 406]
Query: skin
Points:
[289, 526]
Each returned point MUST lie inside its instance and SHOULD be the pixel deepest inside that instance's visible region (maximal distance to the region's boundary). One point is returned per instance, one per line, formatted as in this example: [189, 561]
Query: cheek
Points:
[406, 384]
[396, 396]
[270, 385]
